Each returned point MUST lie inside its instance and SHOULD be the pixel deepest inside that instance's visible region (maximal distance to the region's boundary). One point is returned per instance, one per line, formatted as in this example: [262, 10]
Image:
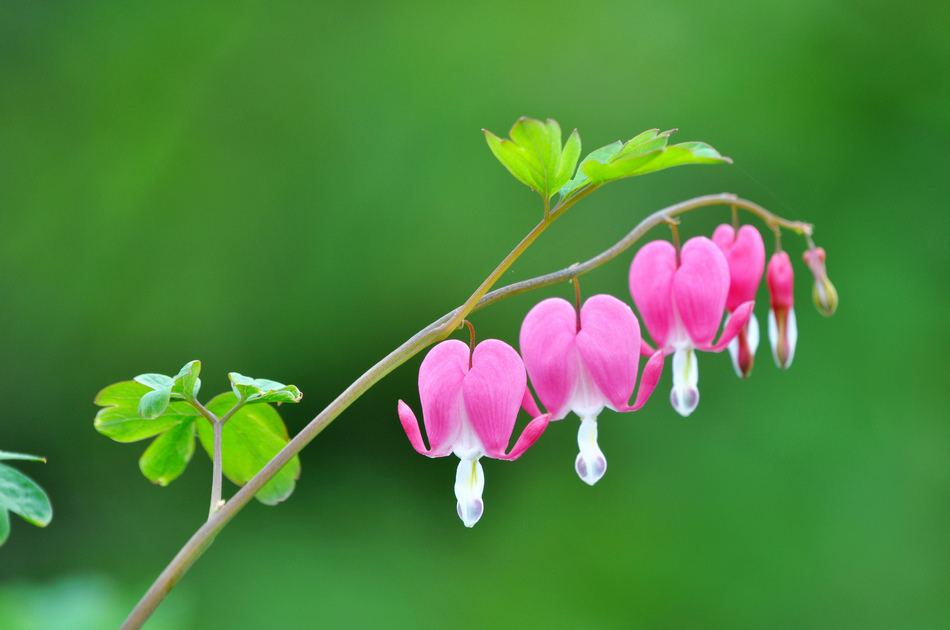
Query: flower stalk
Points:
[434, 332]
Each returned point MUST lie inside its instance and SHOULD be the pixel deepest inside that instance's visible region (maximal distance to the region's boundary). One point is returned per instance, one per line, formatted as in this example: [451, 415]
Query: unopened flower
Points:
[783, 329]
[823, 293]
[583, 362]
[469, 406]
[745, 255]
[681, 299]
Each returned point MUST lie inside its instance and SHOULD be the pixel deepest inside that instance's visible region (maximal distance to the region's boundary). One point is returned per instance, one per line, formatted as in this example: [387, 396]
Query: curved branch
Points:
[435, 331]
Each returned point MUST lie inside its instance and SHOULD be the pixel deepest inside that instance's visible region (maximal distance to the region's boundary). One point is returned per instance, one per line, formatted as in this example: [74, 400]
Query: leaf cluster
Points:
[166, 408]
[534, 155]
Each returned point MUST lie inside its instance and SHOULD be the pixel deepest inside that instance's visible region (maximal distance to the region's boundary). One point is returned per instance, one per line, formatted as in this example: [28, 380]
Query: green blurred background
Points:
[289, 190]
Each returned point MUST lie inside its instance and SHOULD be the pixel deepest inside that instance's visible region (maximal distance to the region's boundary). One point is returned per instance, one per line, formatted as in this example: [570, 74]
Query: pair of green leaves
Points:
[251, 437]
[535, 157]
[21, 495]
[184, 385]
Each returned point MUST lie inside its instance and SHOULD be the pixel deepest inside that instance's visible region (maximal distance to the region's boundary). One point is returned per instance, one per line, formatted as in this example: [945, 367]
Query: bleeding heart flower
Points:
[469, 406]
[783, 330]
[681, 299]
[745, 256]
[582, 362]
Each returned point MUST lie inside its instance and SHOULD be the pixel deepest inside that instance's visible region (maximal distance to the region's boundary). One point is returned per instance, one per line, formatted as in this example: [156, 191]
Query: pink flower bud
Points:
[823, 293]
[745, 255]
[783, 329]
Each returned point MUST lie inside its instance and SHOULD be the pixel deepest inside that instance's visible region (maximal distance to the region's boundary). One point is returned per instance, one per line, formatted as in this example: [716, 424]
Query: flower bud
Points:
[783, 329]
[823, 293]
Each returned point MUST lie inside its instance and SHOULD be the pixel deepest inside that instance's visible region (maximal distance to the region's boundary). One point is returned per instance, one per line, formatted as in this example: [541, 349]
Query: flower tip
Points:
[470, 512]
[684, 400]
[590, 474]
[825, 297]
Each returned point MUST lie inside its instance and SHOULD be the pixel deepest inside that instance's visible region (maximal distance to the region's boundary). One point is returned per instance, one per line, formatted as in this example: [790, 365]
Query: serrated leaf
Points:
[154, 381]
[603, 154]
[568, 161]
[649, 140]
[168, 455]
[534, 154]
[120, 419]
[154, 403]
[186, 383]
[22, 456]
[286, 394]
[636, 163]
[250, 439]
[21, 495]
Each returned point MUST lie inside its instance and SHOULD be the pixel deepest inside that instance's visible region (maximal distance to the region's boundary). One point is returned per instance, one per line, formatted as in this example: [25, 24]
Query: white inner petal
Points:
[685, 393]
[469, 484]
[590, 463]
[752, 338]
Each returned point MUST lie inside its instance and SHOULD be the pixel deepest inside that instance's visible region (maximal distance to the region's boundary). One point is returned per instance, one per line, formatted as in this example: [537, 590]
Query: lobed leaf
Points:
[534, 154]
[250, 439]
[21, 495]
[168, 455]
[644, 153]
[120, 419]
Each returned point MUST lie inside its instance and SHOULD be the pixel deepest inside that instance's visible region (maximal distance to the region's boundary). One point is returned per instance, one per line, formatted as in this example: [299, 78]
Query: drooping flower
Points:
[783, 329]
[469, 406]
[681, 299]
[745, 256]
[583, 362]
[823, 293]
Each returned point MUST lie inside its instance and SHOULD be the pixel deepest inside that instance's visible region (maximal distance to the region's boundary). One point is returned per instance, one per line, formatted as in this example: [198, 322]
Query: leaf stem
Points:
[432, 333]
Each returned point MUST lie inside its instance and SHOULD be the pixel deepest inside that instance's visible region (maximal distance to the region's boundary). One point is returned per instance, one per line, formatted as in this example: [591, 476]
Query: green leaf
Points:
[534, 154]
[4, 525]
[168, 455]
[5, 455]
[186, 382]
[598, 155]
[568, 162]
[154, 381]
[250, 389]
[21, 495]
[154, 403]
[647, 152]
[250, 439]
[120, 420]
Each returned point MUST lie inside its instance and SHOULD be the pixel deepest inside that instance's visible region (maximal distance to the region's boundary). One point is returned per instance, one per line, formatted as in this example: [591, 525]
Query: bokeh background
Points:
[290, 190]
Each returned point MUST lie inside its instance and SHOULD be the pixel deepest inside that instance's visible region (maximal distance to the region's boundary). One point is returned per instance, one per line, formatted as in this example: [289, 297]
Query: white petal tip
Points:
[684, 400]
[592, 472]
[470, 512]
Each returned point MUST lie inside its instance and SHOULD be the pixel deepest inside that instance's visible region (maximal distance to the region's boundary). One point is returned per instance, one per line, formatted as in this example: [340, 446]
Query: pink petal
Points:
[441, 377]
[492, 394]
[646, 350]
[700, 287]
[548, 347]
[745, 257]
[651, 376]
[528, 404]
[411, 426]
[651, 285]
[609, 345]
[528, 437]
[780, 279]
[739, 319]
